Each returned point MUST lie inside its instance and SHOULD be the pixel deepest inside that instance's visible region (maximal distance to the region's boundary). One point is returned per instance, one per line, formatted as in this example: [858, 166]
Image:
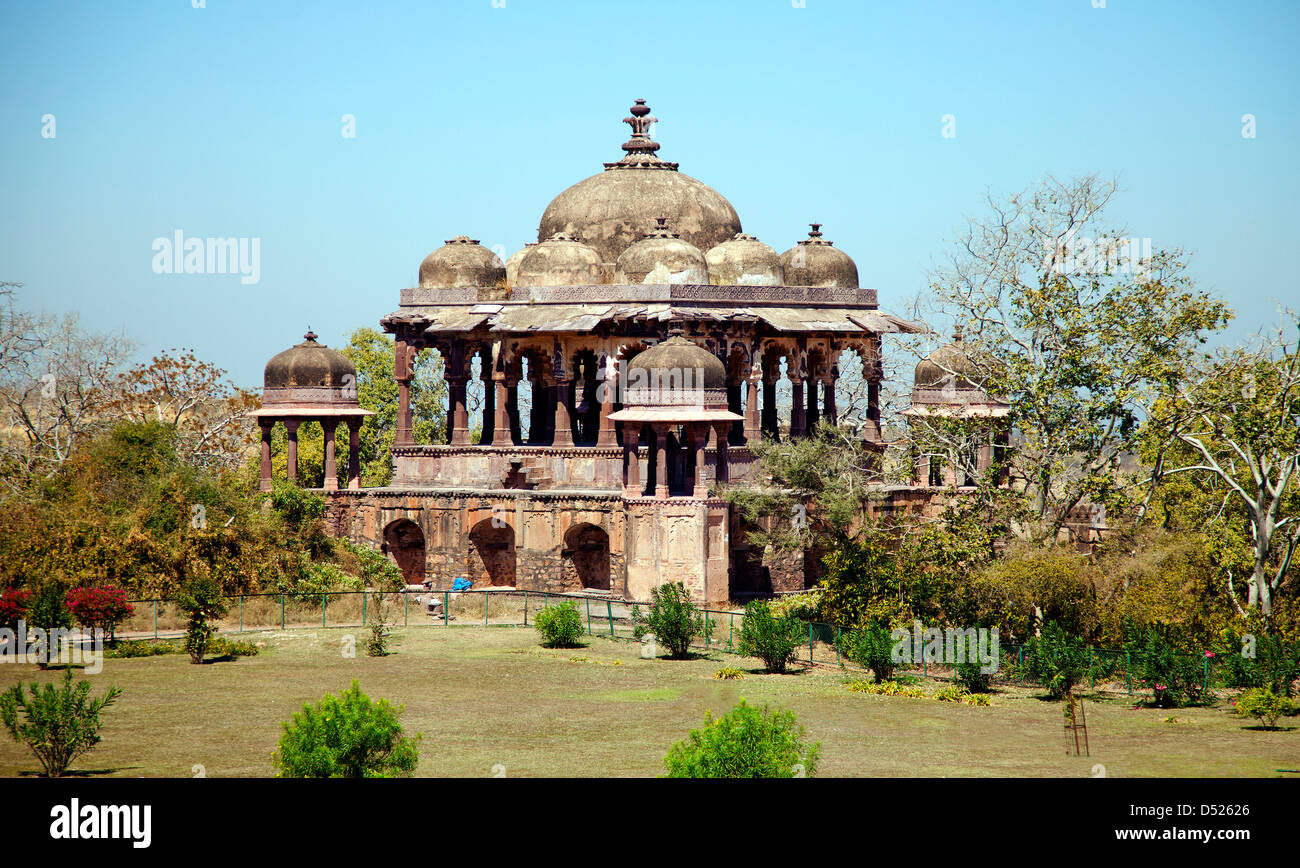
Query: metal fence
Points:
[1108, 669]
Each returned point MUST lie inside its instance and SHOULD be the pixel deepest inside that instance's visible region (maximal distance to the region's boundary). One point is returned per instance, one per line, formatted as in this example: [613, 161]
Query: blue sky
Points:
[226, 121]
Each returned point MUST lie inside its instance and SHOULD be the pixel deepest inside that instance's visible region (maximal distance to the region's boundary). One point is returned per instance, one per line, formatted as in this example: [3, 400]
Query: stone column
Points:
[632, 486]
[502, 435]
[354, 454]
[829, 410]
[700, 436]
[797, 419]
[752, 431]
[811, 417]
[512, 410]
[540, 411]
[721, 470]
[661, 460]
[402, 353]
[266, 426]
[291, 426]
[331, 465]
[563, 415]
[458, 417]
[610, 390]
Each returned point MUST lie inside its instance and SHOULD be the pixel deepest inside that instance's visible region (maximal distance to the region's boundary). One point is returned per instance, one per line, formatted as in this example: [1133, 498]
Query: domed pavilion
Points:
[562, 449]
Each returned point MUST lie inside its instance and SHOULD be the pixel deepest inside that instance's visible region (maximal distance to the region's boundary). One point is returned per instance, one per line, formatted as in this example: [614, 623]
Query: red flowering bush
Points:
[102, 608]
[13, 606]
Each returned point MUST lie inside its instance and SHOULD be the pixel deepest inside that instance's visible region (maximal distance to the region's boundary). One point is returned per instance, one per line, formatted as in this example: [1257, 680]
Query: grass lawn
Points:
[488, 697]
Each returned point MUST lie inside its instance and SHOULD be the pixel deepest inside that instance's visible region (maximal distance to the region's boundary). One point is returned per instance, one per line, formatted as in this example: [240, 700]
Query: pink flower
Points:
[1209, 653]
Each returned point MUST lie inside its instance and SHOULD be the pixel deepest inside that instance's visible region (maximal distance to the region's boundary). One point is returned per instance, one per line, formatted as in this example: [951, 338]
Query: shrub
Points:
[141, 648]
[805, 605]
[202, 604]
[871, 647]
[58, 724]
[728, 673]
[221, 647]
[377, 571]
[950, 694]
[48, 611]
[1057, 660]
[13, 606]
[673, 620]
[980, 699]
[886, 688]
[99, 608]
[346, 736]
[380, 631]
[1263, 703]
[560, 625]
[971, 678]
[1276, 664]
[746, 742]
[1171, 675]
[772, 640]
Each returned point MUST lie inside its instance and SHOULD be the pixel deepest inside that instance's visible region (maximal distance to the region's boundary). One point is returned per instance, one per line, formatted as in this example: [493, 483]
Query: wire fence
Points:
[1112, 670]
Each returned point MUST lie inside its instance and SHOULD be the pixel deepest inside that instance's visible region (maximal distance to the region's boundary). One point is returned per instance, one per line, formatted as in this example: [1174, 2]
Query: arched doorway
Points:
[491, 554]
[586, 558]
[404, 543]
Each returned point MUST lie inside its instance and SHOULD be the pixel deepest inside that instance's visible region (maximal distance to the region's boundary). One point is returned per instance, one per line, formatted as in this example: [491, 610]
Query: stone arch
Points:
[585, 558]
[491, 555]
[404, 543]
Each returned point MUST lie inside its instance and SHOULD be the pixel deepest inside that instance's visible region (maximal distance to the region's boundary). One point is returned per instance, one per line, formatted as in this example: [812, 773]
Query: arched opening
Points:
[404, 543]
[491, 554]
[586, 558]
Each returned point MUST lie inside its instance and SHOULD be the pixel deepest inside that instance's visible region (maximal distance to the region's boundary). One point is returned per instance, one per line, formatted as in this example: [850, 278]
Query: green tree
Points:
[346, 736]
[746, 742]
[202, 603]
[673, 619]
[771, 639]
[58, 724]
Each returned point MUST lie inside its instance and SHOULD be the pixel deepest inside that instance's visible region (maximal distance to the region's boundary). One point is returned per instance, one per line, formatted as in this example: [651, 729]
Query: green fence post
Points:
[589, 615]
[486, 599]
[446, 606]
[838, 661]
[1128, 670]
[406, 609]
[155, 619]
[1205, 684]
[609, 610]
[810, 641]
[363, 608]
[324, 601]
[731, 628]
[1092, 672]
[525, 608]
[282, 611]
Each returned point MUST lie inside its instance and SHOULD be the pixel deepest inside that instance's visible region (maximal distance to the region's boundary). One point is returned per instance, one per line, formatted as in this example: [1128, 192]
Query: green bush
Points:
[560, 625]
[58, 724]
[1057, 660]
[1171, 675]
[1263, 703]
[872, 648]
[728, 673]
[1276, 664]
[219, 646]
[141, 648]
[969, 677]
[747, 742]
[770, 639]
[673, 620]
[202, 604]
[346, 736]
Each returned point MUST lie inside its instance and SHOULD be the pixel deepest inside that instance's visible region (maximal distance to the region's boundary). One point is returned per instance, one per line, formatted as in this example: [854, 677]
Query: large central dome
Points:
[619, 206]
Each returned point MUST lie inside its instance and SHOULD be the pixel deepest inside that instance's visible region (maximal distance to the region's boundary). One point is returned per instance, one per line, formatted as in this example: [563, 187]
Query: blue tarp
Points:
[462, 584]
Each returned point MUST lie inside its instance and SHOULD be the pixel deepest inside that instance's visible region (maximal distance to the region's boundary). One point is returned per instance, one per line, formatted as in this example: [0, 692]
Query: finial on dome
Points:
[310, 337]
[815, 236]
[461, 239]
[662, 230]
[640, 123]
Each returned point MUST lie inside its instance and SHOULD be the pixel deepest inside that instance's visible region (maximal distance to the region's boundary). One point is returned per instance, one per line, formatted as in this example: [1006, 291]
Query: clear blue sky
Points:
[226, 121]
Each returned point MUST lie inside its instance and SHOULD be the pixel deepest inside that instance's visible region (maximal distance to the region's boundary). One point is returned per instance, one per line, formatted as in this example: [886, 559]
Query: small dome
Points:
[462, 261]
[662, 257]
[561, 261]
[673, 356]
[745, 260]
[948, 367]
[512, 264]
[814, 262]
[616, 208]
[310, 364]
